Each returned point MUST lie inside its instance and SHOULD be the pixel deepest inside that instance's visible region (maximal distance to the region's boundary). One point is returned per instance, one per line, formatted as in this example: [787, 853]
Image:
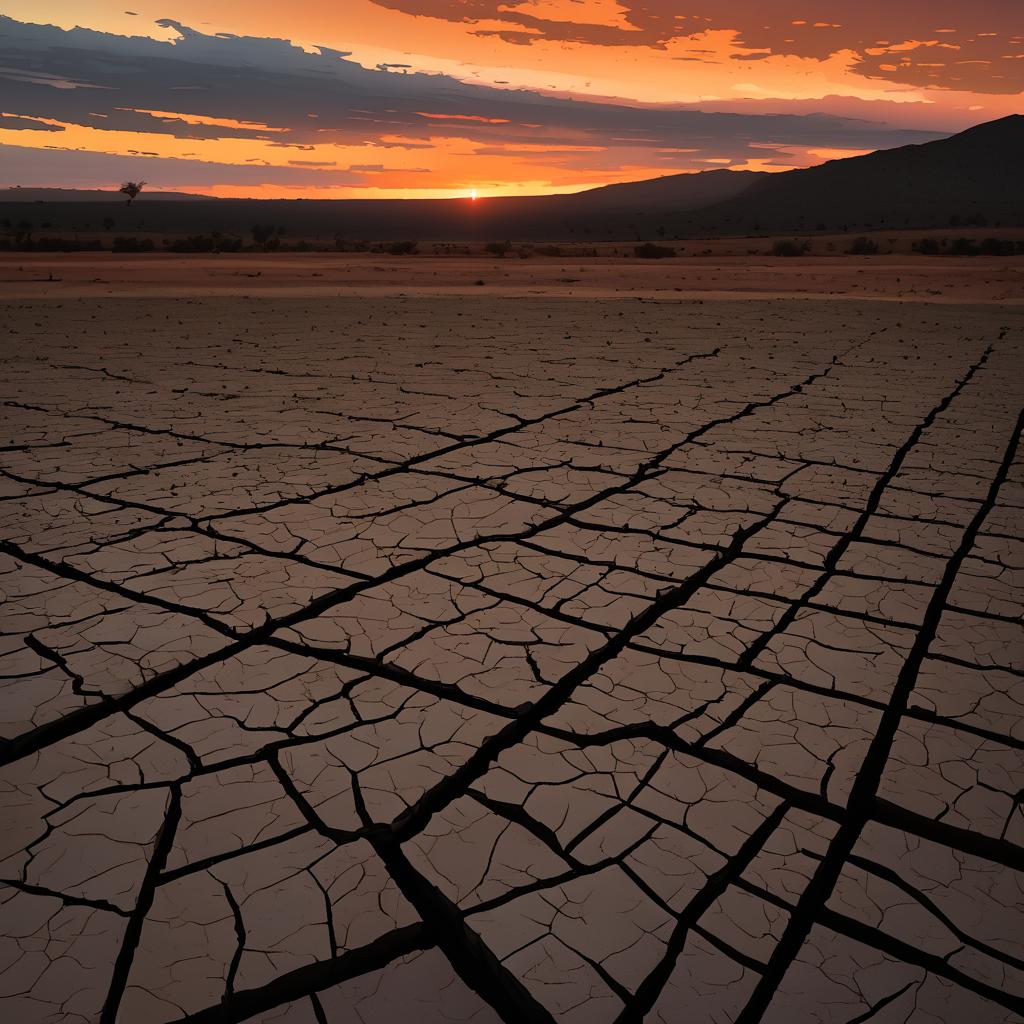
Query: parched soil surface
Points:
[419, 660]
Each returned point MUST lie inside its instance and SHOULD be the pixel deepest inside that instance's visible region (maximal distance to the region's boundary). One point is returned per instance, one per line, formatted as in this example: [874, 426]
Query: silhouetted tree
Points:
[131, 189]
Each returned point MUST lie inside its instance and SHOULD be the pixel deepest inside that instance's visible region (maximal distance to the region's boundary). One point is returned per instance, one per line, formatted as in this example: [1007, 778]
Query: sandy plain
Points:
[529, 657]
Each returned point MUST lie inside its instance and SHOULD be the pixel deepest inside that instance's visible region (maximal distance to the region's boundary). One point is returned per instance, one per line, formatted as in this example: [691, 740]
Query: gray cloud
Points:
[292, 98]
[22, 165]
[16, 123]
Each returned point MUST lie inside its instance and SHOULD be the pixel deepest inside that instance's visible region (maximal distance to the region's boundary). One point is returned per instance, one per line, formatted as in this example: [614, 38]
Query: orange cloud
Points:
[214, 122]
[237, 109]
[464, 117]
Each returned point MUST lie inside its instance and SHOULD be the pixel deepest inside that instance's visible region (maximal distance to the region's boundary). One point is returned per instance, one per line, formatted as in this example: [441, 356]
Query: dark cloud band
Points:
[205, 87]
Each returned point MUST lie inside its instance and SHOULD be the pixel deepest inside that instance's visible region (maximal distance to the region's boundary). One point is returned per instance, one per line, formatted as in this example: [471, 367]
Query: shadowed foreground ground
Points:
[517, 659]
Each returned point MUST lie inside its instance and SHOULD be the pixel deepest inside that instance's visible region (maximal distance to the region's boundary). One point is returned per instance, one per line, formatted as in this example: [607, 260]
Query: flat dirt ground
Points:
[473, 655]
[897, 277]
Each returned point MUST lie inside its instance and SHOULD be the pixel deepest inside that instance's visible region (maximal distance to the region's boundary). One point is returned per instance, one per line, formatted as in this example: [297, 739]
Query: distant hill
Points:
[84, 195]
[673, 192]
[973, 177]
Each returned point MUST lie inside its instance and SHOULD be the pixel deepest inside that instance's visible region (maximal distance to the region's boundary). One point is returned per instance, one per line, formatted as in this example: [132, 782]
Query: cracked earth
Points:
[518, 660]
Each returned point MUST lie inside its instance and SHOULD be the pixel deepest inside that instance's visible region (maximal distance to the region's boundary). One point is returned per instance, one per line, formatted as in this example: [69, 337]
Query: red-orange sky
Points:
[438, 97]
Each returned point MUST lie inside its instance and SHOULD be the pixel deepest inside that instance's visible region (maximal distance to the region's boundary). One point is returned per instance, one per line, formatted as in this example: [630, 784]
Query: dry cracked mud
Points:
[517, 660]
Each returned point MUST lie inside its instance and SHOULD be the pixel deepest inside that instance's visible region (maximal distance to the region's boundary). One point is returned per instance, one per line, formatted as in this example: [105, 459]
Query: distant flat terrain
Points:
[480, 655]
[902, 276]
[968, 179]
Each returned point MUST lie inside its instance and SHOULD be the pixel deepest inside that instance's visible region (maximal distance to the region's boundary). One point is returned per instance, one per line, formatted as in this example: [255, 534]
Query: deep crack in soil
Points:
[517, 660]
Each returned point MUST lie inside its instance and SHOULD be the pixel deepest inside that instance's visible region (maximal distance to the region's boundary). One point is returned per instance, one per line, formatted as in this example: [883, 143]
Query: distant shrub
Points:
[129, 243]
[19, 239]
[650, 251]
[403, 248]
[963, 247]
[863, 247]
[267, 235]
[928, 247]
[343, 244]
[549, 250]
[19, 235]
[789, 247]
[998, 247]
[497, 248]
[193, 243]
[205, 243]
[48, 244]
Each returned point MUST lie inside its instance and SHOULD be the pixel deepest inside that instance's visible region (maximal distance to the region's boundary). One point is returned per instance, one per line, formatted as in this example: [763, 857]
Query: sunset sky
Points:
[418, 98]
